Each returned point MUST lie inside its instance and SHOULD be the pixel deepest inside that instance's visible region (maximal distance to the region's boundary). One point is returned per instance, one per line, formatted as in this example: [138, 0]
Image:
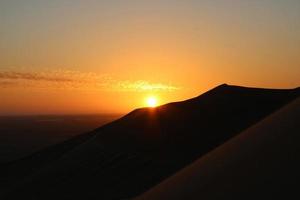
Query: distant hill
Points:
[128, 156]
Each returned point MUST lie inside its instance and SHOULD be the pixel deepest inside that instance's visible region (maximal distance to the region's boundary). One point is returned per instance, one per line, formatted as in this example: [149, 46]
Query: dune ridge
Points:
[260, 163]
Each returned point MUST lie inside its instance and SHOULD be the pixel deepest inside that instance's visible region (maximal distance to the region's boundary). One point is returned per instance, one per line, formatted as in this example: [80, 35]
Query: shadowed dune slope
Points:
[261, 163]
[130, 155]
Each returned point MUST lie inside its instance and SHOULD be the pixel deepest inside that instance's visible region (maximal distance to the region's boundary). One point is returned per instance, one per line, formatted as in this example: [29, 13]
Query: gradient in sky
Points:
[89, 56]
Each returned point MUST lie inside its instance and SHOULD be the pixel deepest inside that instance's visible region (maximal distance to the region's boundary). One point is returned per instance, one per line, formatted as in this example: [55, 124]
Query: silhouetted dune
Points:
[130, 155]
[261, 163]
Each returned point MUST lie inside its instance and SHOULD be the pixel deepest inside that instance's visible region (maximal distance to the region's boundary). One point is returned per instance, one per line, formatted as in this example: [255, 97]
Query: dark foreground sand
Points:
[261, 163]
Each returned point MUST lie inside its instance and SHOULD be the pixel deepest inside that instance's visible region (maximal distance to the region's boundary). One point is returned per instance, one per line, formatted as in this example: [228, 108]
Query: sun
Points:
[151, 101]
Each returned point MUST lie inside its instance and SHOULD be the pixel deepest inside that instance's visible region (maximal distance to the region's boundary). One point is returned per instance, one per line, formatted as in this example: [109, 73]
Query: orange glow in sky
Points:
[69, 57]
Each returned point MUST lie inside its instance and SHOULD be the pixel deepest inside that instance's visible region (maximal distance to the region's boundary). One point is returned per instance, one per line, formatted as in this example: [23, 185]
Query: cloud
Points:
[64, 79]
[142, 85]
[32, 77]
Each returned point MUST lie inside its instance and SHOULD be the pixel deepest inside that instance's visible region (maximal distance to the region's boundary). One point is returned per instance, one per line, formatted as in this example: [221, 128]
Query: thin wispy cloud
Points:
[64, 79]
[32, 77]
[142, 85]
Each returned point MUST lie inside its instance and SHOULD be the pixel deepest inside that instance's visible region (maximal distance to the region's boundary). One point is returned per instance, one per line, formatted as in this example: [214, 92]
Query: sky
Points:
[93, 56]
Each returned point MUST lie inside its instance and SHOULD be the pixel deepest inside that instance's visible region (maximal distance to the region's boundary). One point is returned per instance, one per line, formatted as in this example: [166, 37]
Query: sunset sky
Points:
[93, 56]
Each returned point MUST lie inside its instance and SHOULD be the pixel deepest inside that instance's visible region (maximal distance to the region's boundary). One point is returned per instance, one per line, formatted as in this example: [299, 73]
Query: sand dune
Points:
[261, 163]
[129, 156]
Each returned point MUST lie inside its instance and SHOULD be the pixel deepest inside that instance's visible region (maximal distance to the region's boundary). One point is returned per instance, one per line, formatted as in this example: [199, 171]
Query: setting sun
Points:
[151, 101]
